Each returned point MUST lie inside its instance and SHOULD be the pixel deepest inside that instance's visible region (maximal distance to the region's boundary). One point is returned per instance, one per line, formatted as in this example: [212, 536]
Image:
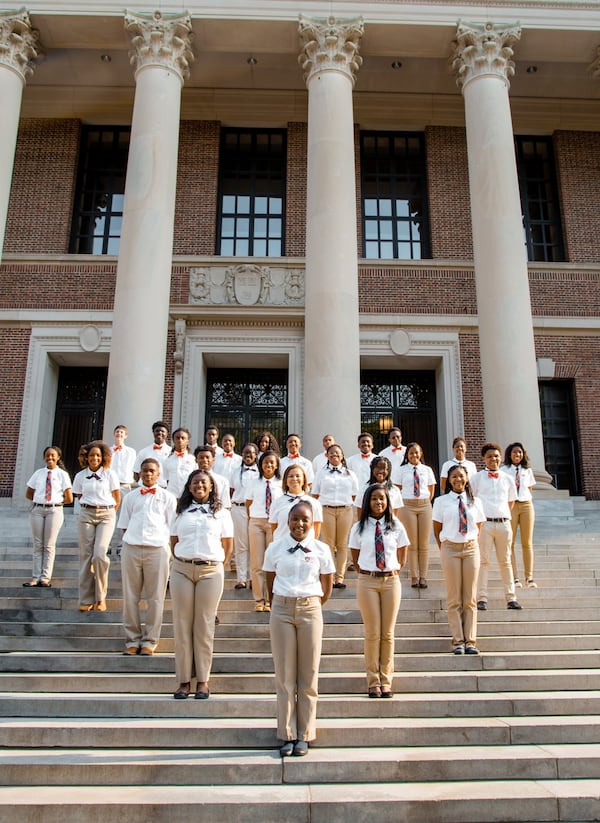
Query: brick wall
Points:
[14, 349]
[169, 379]
[295, 218]
[418, 291]
[43, 187]
[197, 187]
[64, 285]
[577, 157]
[448, 193]
[470, 369]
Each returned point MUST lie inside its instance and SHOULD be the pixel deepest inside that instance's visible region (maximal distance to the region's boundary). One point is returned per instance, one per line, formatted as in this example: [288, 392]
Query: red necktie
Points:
[49, 487]
[379, 550]
[462, 516]
[518, 478]
[268, 498]
[149, 491]
[117, 448]
[416, 483]
[492, 474]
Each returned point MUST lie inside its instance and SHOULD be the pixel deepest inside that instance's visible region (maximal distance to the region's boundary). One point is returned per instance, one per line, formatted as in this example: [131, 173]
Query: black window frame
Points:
[251, 179]
[401, 172]
[544, 239]
[91, 197]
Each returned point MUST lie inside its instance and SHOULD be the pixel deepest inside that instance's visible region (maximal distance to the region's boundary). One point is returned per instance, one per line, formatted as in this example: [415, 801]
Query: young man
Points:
[498, 493]
[211, 438]
[123, 461]
[293, 445]
[205, 459]
[228, 461]
[159, 449]
[360, 463]
[394, 452]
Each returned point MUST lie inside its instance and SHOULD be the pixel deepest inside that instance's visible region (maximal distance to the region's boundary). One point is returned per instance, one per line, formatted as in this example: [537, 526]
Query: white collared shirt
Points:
[495, 493]
[200, 533]
[176, 470]
[96, 492]
[159, 454]
[298, 461]
[298, 574]
[393, 539]
[257, 492]
[468, 466]
[60, 482]
[280, 510]
[526, 481]
[241, 480]
[445, 511]
[335, 488]
[227, 464]
[147, 517]
[360, 464]
[395, 455]
[394, 493]
[406, 481]
[123, 460]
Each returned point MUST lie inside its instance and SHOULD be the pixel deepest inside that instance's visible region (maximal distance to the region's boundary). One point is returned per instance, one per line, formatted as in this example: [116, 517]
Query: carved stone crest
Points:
[247, 284]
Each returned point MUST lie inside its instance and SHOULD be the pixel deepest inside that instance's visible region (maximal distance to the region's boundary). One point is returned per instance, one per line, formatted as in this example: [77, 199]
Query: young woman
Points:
[379, 544]
[457, 519]
[459, 447]
[241, 479]
[201, 543]
[179, 464]
[417, 483]
[49, 489]
[260, 497]
[295, 487]
[336, 488]
[98, 489]
[267, 442]
[381, 472]
[299, 572]
[516, 464]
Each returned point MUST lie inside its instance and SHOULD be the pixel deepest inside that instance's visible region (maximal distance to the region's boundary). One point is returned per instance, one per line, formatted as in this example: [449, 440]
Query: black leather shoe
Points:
[287, 749]
[482, 605]
[202, 695]
[513, 604]
[183, 692]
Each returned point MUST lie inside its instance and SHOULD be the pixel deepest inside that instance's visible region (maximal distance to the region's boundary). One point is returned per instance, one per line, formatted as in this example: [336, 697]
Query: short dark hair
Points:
[160, 424]
[489, 447]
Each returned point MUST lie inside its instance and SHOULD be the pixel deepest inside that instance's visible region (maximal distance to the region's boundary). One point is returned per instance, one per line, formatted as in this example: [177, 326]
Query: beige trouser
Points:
[296, 630]
[259, 537]
[523, 516]
[460, 564]
[144, 569]
[239, 515]
[337, 522]
[379, 601]
[417, 518]
[96, 527]
[45, 522]
[195, 595]
[498, 536]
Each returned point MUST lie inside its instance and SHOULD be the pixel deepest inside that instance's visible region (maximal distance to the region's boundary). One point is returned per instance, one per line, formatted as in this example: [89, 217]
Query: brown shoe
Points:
[146, 651]
[86, 607]
[131, 650]
[100, 606]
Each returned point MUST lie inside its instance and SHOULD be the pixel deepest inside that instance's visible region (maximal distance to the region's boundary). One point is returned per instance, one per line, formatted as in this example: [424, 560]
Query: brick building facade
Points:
[56, 302]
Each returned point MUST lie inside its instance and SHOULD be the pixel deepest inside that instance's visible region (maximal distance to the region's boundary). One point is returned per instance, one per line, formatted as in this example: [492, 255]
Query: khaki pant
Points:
[460, 564]
[144, 573]
[337, 522]
[523, 516]
[96, 527]
[498, 536]
[241, 544]
[259, 537]
[195, 595]
[296, 630]
[379, 602]
[45, 524]
[417, 518]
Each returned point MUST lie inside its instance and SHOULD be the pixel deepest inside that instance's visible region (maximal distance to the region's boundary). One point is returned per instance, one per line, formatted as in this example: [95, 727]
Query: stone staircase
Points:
[88, 735]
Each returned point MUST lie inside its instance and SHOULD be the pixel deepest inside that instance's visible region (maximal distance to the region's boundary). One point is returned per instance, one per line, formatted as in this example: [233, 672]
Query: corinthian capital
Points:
[483, 48]
[19, 44]
[330, 45]
[161, 40]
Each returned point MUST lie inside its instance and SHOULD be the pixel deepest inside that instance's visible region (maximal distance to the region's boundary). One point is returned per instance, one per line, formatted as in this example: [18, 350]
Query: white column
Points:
[161, 55]
[18, 47]
[507, 351]
[330, 61]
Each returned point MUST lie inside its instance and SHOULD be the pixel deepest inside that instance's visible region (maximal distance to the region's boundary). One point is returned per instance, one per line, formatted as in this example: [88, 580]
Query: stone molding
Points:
[19, 43]
[330, 45]
[483, 49]
[179, 353]
[594, 68]
[246, 285]
[161, 40]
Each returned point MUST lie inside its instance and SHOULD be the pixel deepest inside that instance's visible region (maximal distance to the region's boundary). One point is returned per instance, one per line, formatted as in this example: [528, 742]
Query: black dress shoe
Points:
[202, 695]
[482, 605]
[287, 749]
[339, 585]
[183, 692]
[513, 604]
[389, 693]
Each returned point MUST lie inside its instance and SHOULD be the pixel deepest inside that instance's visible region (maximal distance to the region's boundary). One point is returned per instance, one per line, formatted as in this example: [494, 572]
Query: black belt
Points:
[233, 503]
[48, 505]
[497, 519]
[325, 506]
[87, 506]
[379, 574]
[197, 562]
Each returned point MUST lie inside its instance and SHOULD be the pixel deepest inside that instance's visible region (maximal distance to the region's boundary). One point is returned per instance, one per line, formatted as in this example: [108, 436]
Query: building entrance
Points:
[561, 451]
[79, 413]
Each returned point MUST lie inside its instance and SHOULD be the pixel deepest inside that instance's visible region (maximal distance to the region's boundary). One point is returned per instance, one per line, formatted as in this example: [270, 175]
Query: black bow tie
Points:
[89, 476]
[298, 546]
[334, 470]
[249, 469]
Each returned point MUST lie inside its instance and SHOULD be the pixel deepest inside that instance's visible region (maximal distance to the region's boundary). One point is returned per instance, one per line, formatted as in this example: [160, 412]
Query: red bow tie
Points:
[157, 448]
[179, 454]
[365, 456]
[293, 456]
[149, 491]
[117, 448]
[227, 454]
[493, 474]
[397, 449]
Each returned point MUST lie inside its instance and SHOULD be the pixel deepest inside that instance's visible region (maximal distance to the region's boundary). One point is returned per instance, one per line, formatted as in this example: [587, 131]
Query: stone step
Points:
[259, 733]
[329, 683]
[548, 708]
[495, 801]
[246, 662]
[130, 767]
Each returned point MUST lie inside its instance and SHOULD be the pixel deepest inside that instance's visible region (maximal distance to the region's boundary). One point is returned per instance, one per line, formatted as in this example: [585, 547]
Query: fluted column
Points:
[482, 62]
[330, 61]
[160, 56]
[18, 48]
